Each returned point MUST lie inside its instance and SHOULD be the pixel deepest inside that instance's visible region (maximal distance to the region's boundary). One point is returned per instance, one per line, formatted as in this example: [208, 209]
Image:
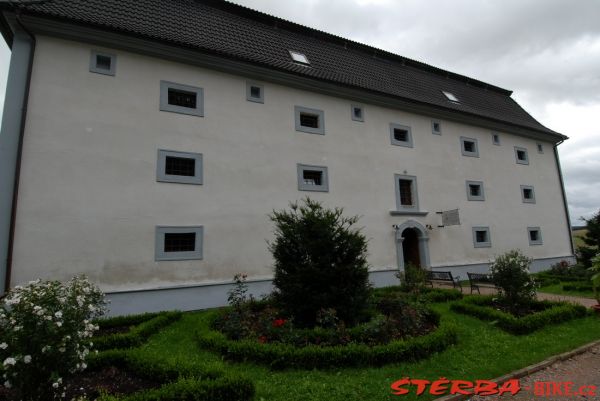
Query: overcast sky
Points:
[546, 51]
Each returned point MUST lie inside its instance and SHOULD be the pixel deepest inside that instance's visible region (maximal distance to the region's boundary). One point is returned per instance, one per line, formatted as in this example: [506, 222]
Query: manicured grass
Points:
[483, 352]
[558, 289]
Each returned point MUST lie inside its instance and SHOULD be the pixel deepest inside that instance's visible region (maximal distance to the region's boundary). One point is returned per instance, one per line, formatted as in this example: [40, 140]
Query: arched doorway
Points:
[410, 247]
[412, 244]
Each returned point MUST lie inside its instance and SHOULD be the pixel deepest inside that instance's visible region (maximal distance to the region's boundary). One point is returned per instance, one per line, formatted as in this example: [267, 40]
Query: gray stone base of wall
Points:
[187, 298]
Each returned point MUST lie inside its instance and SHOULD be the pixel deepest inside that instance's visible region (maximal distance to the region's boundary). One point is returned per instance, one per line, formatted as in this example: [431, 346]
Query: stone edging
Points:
[517, 374]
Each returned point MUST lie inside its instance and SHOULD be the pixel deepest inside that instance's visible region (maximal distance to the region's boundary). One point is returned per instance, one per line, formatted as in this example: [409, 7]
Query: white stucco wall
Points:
[89, 201]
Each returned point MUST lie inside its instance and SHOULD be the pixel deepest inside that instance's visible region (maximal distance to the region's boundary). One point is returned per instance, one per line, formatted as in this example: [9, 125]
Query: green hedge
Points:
[427, 294]
[127, 320]
[183, 381]
[552, 313]
[284, 356]
[578, 287]
[222, 389]
[147, 324]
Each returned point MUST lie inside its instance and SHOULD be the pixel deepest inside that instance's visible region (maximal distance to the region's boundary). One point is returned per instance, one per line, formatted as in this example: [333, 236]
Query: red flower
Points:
[262, 339]
[278, 322]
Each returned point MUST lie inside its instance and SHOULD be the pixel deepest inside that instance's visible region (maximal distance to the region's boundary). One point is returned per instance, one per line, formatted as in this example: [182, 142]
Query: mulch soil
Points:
[112, 380]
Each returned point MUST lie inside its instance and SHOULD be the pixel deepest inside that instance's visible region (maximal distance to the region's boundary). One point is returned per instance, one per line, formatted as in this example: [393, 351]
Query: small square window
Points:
[178, 243]
[475, 191]
[496, 139]
[312, 178]
[358, 113]
[521, 155]
[527, 194]
[299, 57]
[535, 235]
[309, 120]
[179, 167]
[183, 99]
[468, 147]
[481, 237]
[103, 63]
[450, 96]
[255, 92]
[436, 127]
[540, 148]
[406, 193]
[401, 135]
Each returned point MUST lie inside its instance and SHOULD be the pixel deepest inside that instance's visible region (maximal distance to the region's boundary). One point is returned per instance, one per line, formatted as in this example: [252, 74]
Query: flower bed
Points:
[155, 380]
[541, 313]
[281, 356]
[131, 331]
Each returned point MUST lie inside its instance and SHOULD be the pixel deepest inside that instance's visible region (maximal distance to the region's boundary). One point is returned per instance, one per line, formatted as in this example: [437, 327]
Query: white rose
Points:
[27, 358]
[3, 346]
[58, 314]
[7, 384]
[9, 361]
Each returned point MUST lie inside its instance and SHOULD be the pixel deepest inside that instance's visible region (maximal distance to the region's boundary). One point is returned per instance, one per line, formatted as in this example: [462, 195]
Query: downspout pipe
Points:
[564, 196]
[11, 142]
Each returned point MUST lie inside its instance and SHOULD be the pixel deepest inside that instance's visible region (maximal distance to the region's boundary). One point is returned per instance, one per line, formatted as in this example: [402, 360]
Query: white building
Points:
[144, 144]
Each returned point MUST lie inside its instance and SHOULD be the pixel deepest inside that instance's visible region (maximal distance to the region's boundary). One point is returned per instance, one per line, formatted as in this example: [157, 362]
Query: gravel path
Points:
[581, 370]
[588, 302]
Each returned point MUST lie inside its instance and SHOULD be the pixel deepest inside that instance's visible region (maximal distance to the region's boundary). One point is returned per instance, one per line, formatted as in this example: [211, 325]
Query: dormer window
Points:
[299, 57]
[450, 96]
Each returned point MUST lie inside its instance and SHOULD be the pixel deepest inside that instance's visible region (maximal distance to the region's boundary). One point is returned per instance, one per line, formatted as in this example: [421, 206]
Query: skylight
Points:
[299, 57]
[451, 96]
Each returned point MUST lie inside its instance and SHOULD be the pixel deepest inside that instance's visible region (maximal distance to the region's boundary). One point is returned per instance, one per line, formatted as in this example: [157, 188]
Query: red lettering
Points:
[421, 385]
[485, 387]
[556, 390]
[511, 386]
[459, 387]
[397, 386]
[569, 389]
[439, 387]
[539, 389]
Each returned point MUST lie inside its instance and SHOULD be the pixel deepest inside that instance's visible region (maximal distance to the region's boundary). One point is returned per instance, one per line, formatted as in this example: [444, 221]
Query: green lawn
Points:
[483, 352]
[558, 289]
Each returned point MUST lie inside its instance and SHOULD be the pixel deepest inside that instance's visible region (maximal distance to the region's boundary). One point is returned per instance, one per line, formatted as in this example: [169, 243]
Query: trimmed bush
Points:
[320, 263]
[426, 294]
[183, 382]
[126, 320]
[550, 313]
[284, 356]
[577, 287]
[147, 324]
[222, 389]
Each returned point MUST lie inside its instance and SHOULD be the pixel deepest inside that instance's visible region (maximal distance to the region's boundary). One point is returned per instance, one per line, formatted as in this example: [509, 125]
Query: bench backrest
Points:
[440, 276]
[480, 278]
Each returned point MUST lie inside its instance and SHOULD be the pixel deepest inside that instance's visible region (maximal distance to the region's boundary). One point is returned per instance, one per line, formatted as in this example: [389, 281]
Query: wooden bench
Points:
[444, 278]
[478, 280]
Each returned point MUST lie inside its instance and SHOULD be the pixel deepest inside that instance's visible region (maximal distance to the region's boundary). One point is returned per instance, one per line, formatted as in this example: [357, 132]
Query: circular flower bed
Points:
[398, 330]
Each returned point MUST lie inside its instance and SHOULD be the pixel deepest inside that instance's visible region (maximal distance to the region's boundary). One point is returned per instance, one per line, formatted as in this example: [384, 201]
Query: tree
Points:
[320, 263]
[591, 239]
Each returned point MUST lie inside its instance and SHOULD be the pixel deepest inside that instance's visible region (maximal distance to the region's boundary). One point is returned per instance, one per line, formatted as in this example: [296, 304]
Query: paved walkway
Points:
[582, 370]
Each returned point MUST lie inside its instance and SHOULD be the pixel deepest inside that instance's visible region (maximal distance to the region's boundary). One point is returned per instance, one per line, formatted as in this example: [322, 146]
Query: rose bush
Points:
[45, 331]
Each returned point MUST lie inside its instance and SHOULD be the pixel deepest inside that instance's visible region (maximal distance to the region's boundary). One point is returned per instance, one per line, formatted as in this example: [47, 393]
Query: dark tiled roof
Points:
[237, 32]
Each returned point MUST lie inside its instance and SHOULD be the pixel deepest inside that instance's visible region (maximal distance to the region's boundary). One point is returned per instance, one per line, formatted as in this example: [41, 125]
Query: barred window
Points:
[180, 166]
[180, 242]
